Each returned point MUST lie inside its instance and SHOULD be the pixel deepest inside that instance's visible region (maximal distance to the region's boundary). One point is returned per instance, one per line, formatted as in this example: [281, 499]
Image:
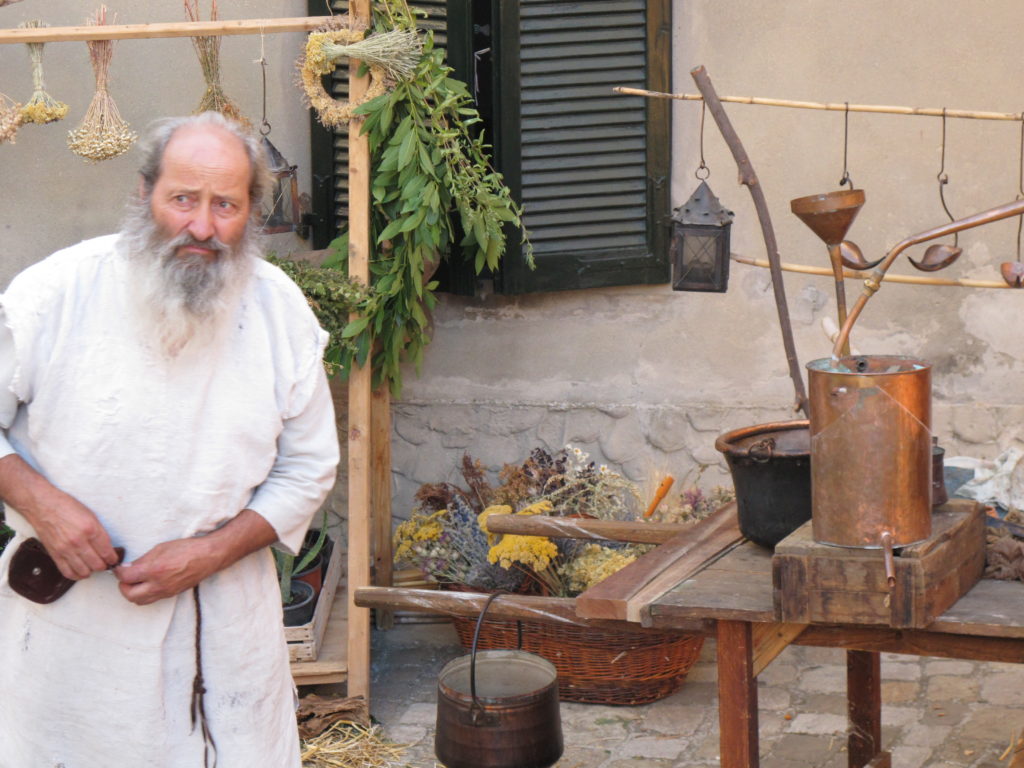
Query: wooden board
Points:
[331, 664]
[735, 587]
[820, 583]
[624, 594]
[305, 640]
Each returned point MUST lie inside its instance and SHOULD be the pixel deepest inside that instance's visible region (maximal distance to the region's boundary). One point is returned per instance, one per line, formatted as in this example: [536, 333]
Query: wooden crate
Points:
[820, 583]
[305, 640]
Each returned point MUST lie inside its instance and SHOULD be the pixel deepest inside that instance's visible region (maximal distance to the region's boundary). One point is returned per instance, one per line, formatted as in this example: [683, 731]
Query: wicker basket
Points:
[597, 666]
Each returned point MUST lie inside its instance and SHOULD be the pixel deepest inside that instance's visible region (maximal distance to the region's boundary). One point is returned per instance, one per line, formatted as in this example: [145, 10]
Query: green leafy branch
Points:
[432, 181]
[333, 297]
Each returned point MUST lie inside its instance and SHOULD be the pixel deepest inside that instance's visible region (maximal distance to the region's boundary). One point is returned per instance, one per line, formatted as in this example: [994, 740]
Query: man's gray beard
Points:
[184, 301]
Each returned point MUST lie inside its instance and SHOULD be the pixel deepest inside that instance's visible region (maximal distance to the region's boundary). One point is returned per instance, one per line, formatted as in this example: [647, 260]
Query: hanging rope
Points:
[702, 166]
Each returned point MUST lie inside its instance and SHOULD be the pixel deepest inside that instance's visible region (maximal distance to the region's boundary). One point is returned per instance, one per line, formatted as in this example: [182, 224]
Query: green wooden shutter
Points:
[590, 166]
[330, 148]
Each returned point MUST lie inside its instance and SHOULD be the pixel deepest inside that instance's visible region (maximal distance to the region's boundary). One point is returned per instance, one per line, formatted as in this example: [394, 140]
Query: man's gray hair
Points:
[161, 131]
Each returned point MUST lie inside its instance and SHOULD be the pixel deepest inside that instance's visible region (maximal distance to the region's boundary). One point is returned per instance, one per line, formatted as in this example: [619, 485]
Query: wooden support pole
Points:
[380, 442]
[737, 696]
[864, 700]
[360, 391]
[171, 29]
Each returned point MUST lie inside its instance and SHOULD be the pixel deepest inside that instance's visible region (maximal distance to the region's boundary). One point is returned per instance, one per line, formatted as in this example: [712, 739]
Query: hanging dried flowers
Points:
[103, 133]
[390, 56]
[208, 51]
[10, 118]
[42, 108]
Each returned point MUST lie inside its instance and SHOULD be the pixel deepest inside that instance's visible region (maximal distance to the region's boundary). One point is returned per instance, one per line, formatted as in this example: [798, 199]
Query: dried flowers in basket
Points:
[103, 133]
[42, 108]
[446, 538]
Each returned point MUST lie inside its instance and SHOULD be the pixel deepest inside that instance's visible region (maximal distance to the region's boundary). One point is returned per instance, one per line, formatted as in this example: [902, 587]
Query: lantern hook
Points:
[702, 168]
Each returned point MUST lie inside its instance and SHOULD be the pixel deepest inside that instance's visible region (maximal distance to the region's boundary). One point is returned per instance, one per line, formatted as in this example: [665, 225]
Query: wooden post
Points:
[864, 697]
[737, 696]
[359, 391]
[380, 442]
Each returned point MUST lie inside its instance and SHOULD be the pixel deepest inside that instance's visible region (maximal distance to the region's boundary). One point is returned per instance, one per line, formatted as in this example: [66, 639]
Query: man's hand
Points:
[69, 530]
[170, 568]
[166, 570]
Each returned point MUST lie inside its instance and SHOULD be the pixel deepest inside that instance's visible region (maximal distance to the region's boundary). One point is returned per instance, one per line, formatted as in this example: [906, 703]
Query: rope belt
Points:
[199, 689]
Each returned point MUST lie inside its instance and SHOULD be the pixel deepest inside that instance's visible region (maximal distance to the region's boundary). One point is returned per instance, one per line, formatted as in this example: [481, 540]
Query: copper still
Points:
[871, 451]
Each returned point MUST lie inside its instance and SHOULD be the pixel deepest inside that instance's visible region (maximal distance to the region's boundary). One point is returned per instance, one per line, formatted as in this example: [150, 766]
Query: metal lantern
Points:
[282, 212]
[700, 243]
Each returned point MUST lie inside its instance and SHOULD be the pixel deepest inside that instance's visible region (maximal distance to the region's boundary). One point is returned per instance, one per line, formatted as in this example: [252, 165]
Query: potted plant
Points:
[299, 596]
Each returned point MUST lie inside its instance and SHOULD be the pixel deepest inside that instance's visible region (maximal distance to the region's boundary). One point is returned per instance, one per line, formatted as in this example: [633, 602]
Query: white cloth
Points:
[159, 449]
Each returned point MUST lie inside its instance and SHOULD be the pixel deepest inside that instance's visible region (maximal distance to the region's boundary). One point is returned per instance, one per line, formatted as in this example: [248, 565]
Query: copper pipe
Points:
[890, 565]
[874, 281]
[837, 271]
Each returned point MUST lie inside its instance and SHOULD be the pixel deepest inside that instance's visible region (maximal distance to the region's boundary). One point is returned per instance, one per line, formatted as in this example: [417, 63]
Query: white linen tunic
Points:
[158, 449]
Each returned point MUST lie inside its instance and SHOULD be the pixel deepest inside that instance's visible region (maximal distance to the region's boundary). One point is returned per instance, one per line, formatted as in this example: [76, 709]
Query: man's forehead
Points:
[195, 151]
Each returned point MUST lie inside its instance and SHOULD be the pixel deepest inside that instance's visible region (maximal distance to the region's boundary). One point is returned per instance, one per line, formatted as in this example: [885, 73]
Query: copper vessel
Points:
[871, 451]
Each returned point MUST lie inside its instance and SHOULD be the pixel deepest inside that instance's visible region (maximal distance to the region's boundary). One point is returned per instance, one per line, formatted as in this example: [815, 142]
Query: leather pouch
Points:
[34, 575]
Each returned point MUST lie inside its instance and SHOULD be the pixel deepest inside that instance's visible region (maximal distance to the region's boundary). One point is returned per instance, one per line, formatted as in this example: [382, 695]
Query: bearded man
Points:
[162, 391]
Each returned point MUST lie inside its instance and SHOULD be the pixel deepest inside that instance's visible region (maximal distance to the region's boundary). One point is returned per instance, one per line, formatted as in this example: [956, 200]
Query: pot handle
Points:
[477, 709]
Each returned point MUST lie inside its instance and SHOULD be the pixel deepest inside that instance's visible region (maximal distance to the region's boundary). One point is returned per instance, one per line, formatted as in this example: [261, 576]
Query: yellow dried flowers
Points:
[534, 552]
[42, 108]
[316, 63]
[593, 565]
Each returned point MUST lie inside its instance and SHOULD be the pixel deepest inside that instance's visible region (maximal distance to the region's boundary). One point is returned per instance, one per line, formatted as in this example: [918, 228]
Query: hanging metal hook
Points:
[702, 167]
[846, 144]
[941, 255]
[943, 177]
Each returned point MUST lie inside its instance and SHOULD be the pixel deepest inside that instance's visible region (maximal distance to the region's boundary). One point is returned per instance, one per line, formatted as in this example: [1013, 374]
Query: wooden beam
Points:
[360, 450]
[625, 593]
[559, 610]
[170, 29]
[580, 528]
[772, 639]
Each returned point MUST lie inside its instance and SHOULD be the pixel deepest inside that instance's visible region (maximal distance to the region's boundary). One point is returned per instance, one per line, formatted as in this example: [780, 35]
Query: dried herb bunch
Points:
[10, 118]
[208, 51]
[103, 133]
[447, 536]
[42, 108]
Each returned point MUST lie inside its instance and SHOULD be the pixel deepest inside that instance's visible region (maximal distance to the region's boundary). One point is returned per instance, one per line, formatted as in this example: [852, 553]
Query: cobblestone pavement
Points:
[937, 713]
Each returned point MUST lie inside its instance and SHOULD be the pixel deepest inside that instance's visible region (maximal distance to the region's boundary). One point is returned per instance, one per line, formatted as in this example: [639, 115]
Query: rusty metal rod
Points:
[874, 281]
[749, 179]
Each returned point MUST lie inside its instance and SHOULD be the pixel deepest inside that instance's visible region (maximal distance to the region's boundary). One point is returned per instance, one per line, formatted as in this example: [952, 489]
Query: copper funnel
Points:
[830, 215]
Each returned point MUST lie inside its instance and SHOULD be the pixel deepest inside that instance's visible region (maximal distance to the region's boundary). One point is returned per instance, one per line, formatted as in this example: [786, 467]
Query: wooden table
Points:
[732, 594]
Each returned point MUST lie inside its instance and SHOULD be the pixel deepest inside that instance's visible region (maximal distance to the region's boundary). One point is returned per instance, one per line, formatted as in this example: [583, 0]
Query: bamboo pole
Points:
[360, 450]
[832, 106]
[169, 29]
[858, 275]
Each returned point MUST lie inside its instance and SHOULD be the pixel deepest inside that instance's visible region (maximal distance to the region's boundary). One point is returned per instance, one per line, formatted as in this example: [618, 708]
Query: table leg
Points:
[737, 695]
[864, 700]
